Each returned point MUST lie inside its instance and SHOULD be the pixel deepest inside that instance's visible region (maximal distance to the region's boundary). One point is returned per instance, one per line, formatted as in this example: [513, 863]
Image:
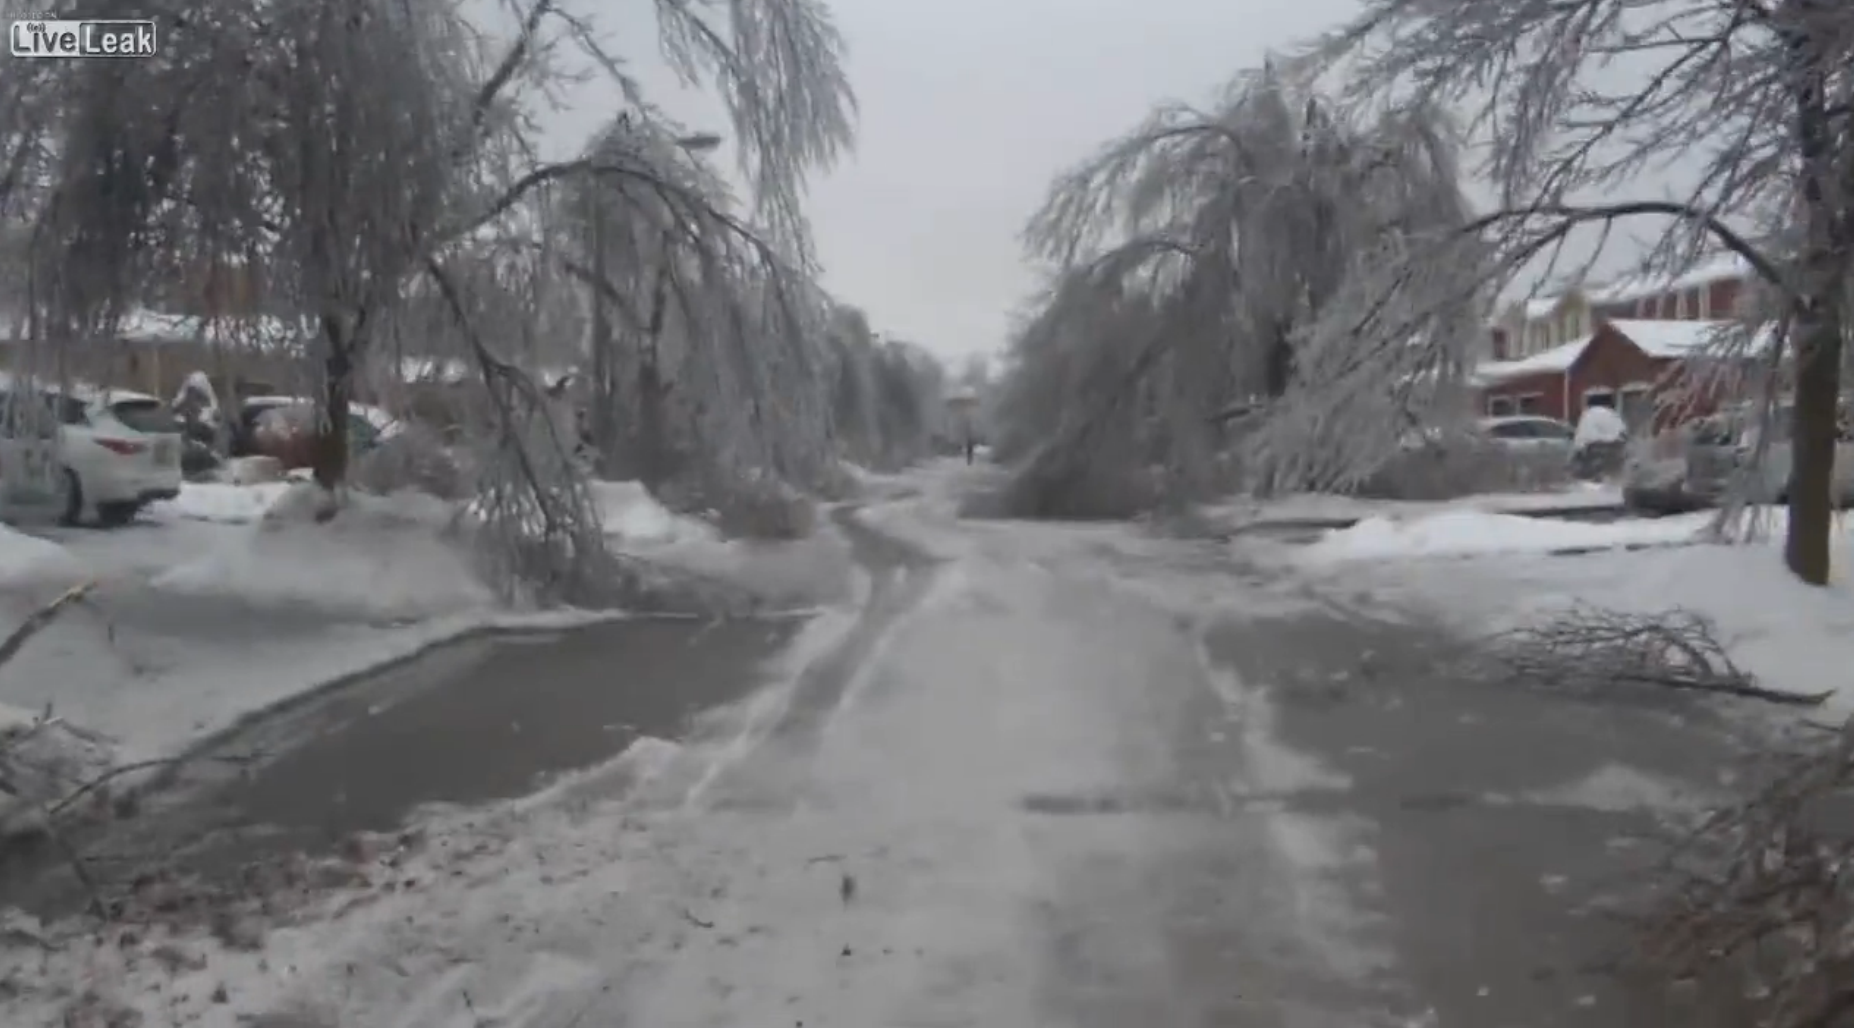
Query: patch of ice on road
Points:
[1271, 765]
[1618, 788]
[381, 557]
[220, 502]
[1319, 852]
[28, 563]
[1470, 533]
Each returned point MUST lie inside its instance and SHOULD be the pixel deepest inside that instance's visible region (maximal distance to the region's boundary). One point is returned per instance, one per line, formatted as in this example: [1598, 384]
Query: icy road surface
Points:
[1042, 777]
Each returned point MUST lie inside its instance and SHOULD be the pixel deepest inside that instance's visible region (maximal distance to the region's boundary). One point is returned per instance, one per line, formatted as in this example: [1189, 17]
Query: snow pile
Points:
[1599, 425]
[220, 503]
[1792, 636]
[631, 515]
[381, 557]
[1469, 532]
[1244, 512]
[28, 563]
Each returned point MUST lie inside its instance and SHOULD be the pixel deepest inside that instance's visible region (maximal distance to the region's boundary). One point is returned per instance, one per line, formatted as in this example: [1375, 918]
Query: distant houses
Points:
[1624, 345]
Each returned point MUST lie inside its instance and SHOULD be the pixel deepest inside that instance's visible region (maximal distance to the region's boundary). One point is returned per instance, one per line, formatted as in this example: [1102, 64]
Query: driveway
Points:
[1044, 776]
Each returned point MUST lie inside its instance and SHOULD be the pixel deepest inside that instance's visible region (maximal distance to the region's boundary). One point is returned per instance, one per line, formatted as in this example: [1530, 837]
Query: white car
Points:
[1530, 434]
[92, 455]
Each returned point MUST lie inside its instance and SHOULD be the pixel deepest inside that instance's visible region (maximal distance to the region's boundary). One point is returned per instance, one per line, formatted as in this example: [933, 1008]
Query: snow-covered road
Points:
[1048, 776]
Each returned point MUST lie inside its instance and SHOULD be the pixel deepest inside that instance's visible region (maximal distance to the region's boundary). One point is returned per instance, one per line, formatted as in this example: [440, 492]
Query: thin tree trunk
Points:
[331, 451]
[653, 437]
[603, 400]
[1279, 373]
[1813, 432]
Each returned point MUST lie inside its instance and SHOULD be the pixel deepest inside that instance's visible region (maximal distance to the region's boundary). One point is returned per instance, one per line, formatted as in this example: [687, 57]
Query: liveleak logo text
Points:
[88, 38]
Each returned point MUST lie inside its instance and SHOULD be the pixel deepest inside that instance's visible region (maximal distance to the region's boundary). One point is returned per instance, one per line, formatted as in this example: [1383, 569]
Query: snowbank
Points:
[1242, 512]
[631, 515]
[220, 503]
[381, 558]
[1792, 636]
[28, 562]
[1469, 532]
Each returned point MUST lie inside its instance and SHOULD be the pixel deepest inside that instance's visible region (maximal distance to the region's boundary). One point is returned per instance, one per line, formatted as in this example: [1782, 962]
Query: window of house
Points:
[1680, 305]
[1528, 403]
[1500, 406]
[1636, 406]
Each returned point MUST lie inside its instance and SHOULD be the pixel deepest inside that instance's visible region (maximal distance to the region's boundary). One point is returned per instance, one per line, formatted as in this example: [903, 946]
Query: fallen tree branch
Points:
[1766, 887]
[40, 619]
[1592, 647]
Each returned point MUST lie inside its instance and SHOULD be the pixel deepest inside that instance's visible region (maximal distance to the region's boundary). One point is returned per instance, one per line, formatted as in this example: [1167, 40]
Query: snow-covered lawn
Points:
[1485, 572]
[1452, 533]
[219, 502]
[230, 599]
[384, 558]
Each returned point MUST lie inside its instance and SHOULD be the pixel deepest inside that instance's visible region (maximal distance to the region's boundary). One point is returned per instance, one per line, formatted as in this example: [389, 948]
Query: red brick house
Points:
[1635, 367]
[1622, 345]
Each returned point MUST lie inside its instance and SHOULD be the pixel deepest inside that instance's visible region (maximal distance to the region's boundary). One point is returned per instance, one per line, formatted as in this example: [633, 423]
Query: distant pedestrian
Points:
[971, 448]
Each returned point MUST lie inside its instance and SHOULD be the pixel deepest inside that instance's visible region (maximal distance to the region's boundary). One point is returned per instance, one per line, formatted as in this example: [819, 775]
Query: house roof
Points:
[1555, 361]
[1665, 340]
[1634, 287]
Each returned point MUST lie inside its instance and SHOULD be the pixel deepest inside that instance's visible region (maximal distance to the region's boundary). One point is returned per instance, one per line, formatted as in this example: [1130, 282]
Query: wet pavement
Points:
[1517, 835]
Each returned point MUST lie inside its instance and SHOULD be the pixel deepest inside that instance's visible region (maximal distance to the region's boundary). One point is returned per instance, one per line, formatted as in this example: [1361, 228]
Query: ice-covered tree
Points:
[1739, 112]
[1229, 243]
[359, 150]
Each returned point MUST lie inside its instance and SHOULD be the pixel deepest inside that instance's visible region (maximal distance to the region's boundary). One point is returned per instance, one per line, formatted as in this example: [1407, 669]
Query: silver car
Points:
[1718, 446]
[1530, 434]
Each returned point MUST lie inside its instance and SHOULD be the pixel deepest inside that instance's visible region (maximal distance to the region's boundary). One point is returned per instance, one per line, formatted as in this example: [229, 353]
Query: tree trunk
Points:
[652, 432]
[1279, 372]
[1813, 431]
[1819, 308]
[602, 401]
[331, 451]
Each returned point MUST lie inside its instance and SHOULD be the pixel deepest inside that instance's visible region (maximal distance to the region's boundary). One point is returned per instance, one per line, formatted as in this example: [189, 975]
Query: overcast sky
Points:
[968, 108]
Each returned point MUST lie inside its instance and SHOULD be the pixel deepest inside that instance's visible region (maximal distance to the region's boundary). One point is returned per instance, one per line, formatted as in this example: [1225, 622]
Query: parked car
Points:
[284, 427]
[111, 452]
[1718, 446]
[1530, 434]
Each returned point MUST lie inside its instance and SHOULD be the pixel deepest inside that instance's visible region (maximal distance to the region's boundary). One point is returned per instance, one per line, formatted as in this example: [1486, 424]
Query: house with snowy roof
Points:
[1621, 345]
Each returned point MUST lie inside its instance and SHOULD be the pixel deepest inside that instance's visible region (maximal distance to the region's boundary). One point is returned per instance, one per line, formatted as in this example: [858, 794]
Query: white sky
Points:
[969, 107]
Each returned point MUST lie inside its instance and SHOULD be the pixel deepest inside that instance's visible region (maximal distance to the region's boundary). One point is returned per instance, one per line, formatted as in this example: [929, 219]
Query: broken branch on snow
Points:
[1588, 646]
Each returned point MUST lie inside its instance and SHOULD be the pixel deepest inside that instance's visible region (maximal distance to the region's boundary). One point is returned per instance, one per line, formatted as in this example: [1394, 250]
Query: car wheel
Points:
[70, 499]
[116, 515]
